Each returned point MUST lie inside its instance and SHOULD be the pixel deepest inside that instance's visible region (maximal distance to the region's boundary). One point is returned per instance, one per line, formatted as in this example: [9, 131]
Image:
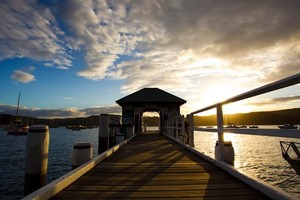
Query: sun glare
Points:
[219, 93]
[222, 91]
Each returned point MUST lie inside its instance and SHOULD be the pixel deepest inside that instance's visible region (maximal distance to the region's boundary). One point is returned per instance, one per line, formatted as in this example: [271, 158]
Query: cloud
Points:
[277, 103]
[285, 99]
[251, 37]
[60, 113]
[29, 69]
[103, 31]
[174, 44]
[204, 44]
[29, 29]
[181, 46]
[22, 77]
[87, 34]
[56, 113]
[114, 109]
[8, 109]
[68, 98]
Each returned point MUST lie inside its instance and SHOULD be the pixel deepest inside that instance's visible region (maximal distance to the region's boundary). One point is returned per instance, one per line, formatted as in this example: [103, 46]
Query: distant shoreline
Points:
[253, 118]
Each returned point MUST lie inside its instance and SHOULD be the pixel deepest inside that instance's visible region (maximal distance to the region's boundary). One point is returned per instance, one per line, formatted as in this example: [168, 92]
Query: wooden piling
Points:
[37, 146]
[103, 137]
[82, 152]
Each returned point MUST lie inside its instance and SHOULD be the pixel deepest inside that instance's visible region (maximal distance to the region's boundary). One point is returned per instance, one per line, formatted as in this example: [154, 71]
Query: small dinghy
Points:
[291, 153]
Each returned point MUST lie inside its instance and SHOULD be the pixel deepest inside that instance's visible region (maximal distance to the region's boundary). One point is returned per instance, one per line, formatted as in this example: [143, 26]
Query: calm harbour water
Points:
[259, 156]
[12, 152]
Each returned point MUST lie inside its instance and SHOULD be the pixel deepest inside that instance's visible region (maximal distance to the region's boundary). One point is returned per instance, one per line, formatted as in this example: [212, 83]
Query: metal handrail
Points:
[286, 82]
[283, 83]
[175, 127]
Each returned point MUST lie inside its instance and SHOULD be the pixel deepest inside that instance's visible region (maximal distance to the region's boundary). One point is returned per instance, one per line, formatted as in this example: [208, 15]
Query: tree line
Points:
[253, 118]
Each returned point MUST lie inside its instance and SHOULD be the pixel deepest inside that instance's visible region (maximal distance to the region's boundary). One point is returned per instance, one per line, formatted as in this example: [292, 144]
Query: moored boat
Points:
[75, 127]
[288, 126]
[232, 126]
[17, 127]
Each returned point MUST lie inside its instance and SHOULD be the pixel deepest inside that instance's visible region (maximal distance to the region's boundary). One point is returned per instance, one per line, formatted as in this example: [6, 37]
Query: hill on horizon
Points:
[252, 118]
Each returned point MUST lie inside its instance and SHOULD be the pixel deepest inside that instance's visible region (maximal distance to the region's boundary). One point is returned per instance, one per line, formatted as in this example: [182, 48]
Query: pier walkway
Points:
[151, 166]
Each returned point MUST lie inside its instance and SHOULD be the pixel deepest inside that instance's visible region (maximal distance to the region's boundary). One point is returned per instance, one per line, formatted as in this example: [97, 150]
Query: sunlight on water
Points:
[258, 156]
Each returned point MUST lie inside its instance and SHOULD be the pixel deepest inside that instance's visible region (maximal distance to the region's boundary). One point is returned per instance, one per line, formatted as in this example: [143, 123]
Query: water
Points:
[12, 160]
[259, 156]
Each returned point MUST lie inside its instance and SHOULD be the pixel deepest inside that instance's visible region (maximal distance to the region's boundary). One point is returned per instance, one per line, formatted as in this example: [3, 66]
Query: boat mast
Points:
[18, 106]
[228, 122]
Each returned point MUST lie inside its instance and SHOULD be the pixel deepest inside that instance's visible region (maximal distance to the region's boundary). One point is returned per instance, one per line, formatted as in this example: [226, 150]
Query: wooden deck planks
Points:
[154, 167]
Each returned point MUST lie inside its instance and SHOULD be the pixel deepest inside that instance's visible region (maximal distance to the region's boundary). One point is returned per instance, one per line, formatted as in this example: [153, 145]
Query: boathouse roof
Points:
[151, 95]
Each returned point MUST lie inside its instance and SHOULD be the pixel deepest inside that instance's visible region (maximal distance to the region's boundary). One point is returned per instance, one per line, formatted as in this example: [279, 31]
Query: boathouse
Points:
[149, 100]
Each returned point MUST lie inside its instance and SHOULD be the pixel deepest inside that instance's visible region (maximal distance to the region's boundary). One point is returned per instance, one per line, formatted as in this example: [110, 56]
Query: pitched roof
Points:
[151, 95]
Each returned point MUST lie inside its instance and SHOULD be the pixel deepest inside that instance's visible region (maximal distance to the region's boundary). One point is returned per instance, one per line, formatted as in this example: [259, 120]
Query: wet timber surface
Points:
[152, 166]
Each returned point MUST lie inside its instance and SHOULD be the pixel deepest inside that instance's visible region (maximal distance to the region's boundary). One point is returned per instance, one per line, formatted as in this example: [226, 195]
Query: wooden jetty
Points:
[153, 166]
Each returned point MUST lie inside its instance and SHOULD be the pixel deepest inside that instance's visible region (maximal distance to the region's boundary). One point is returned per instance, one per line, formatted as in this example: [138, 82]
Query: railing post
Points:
[183, 129]
[173, 128]
[176, 127]
[169, 130]
[169, 124]
[191, 130]
[220, 124]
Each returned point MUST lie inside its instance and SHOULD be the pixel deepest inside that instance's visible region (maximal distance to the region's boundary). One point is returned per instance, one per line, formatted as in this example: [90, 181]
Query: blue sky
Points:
[76, 58]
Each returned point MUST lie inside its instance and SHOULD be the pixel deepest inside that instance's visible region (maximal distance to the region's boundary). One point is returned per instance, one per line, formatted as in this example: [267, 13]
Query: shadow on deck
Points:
[154, 167]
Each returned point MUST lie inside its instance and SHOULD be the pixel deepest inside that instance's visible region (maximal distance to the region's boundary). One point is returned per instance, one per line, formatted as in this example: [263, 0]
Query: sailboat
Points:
[230, 125]
[17, 127]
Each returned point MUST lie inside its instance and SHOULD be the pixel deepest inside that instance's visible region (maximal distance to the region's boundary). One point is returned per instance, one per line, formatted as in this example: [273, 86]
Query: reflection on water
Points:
[258, 156]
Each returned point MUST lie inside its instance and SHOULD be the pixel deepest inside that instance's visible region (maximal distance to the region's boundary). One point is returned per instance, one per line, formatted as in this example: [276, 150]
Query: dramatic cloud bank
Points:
[218, 47]
[159, 35]
[29, 29]
[179, 39]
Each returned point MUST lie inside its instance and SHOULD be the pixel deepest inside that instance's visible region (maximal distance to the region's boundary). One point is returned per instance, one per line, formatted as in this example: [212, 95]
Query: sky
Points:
[75, 58]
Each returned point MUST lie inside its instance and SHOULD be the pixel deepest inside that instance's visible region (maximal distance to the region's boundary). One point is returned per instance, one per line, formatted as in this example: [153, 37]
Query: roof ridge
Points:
[151, 95]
